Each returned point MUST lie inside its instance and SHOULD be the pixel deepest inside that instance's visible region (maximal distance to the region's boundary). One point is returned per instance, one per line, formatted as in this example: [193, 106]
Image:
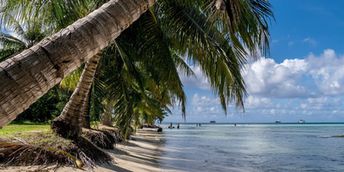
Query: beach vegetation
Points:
[120, 62]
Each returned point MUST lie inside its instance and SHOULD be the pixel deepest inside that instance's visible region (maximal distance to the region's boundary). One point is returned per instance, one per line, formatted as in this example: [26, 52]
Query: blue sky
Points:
[303, 78]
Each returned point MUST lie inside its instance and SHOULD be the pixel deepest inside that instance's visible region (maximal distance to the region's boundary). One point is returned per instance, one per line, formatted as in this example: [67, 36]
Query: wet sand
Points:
[140, 154]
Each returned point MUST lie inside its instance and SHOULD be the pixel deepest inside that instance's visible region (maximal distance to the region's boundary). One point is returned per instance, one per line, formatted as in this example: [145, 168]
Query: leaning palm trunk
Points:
[27, 76]
[69, 123]
[85, 119]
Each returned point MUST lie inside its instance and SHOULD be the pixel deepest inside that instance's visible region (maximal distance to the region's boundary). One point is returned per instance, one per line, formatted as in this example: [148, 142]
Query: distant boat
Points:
[212, 122]
[301, 121]
[278, 122]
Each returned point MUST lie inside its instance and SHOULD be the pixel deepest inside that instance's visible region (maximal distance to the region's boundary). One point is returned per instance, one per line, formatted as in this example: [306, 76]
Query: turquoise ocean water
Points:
[268, 147]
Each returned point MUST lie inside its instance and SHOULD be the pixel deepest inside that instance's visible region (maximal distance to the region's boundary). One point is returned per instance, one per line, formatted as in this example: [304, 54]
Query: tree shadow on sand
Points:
[113, 167]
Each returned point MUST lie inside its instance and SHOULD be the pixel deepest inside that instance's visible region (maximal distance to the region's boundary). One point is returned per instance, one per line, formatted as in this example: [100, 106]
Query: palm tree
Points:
[152, 82]
[47, 62]
[22, 38]
[76, 104]
[130, 87]
[70, 83]
[16, 35]
[69, 123]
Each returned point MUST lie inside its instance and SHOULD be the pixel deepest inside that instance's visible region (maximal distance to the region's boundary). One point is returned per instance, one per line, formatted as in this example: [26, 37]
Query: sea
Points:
[253, 147]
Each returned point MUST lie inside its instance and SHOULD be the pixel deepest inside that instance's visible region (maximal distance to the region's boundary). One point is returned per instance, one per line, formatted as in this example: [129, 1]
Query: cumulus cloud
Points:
[314, 76]
[321, 103]
[202, 104]
[267, 78]
[291, 89]
[199, 80]
[253, 102]
[328, 72]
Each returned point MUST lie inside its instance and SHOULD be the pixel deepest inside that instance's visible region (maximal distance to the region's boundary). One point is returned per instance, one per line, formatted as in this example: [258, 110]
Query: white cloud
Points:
[267, 78]
[322, 103]
[199, 80]
[295, 78]
[257, 102]
[328, 72]
[292, 89]
[205, 105]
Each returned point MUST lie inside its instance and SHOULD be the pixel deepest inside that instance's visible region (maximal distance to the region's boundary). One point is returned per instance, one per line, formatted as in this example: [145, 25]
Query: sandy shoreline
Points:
[140, 154]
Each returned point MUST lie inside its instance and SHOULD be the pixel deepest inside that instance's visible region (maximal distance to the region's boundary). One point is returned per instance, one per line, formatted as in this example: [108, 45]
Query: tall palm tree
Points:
[22, 28]
[68, 123]
[76, 104]
[130, 87]
[47, 62]
[157, 67]
[16, 35]
[71, 82]
[74, 11]
[30, 74]
[19, 31]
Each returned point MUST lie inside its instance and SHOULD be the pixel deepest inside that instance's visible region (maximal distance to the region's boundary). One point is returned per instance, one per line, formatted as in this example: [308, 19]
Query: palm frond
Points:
[192, 34]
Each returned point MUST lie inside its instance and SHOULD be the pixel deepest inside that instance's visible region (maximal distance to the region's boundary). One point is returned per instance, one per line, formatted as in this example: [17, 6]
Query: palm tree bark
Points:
[69, 123]
[29, 75]
[85, 112]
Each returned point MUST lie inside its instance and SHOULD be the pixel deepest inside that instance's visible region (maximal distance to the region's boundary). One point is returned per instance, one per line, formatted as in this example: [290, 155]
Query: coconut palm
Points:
[76, 107]
[40, 78]
[157, 70]
[20, 31]
[70, 83]
[77, 102]
[130, 87]
[74, 10]
[16, 36]
[69, 123]
[47, 62]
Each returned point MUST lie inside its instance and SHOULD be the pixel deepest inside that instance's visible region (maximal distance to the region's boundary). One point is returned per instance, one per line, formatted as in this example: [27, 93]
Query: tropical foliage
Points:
[138, 77]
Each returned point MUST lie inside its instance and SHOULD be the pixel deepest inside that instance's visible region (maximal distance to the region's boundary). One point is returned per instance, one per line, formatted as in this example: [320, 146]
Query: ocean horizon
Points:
[248, 147]
[252, 123]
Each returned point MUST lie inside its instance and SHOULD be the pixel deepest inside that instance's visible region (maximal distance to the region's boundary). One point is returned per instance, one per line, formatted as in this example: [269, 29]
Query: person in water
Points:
[178, 126]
